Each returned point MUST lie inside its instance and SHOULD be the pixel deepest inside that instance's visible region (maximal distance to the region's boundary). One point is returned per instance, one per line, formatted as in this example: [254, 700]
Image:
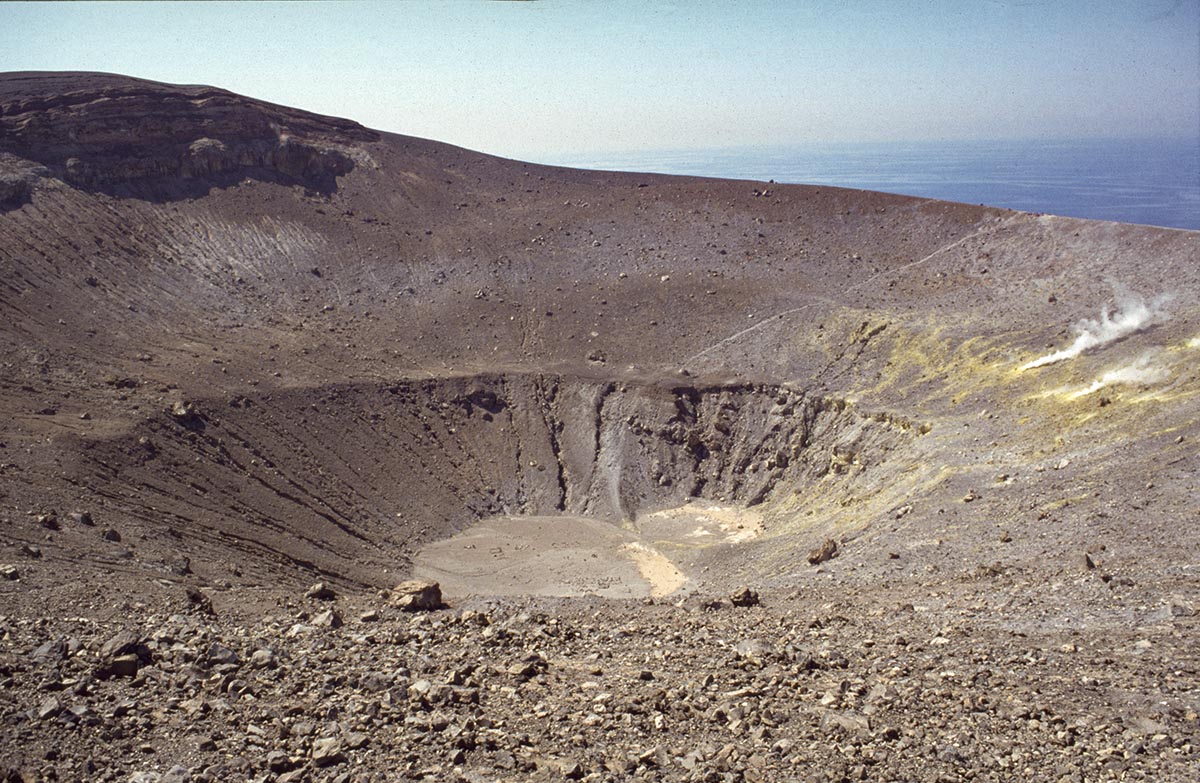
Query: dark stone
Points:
[744, 597]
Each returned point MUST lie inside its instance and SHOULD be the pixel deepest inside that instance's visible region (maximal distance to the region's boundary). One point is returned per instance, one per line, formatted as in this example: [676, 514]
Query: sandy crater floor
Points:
[573, 555]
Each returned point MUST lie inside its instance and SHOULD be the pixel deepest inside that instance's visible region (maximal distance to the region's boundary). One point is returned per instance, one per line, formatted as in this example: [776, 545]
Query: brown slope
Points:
[368, 359]
[289, 299]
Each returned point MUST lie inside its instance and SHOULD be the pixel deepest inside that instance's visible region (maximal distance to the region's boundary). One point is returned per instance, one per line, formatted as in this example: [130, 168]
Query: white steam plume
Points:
[1142, 371]
[1132, 315]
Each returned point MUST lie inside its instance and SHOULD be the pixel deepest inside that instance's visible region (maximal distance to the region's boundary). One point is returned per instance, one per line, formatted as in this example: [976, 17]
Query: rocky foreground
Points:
[746, 688]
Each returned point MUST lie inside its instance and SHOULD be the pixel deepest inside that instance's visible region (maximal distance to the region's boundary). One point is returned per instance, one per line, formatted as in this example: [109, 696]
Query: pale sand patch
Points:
[655, 568]
[702, 522]
[572, 556]
[560, 556]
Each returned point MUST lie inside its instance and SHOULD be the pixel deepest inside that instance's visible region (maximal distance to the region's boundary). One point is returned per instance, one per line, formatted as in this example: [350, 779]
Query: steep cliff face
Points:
[106, 134]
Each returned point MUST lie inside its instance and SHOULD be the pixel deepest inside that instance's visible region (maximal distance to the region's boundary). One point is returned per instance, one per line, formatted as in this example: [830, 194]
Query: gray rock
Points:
[82, 518]
[81, 712]
[54, 650]
[263, 659]
[120, 666]
[145, 777]
[124, 642]
[49, 708]
[528, 667]
[847, 721]
[279, 761]
[567, 768]
[176, 774]
[752, 649]
[1180, 609]
[199, 601]
[14, 188]
[220, 655]
[321, 592]
[327, 752]
[330, 618]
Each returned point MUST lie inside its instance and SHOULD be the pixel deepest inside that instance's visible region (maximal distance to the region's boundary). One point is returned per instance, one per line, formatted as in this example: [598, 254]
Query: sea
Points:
[1155, 181]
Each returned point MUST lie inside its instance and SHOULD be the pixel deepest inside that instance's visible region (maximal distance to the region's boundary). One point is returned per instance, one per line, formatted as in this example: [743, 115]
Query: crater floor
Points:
[584, 556]
[558, 556]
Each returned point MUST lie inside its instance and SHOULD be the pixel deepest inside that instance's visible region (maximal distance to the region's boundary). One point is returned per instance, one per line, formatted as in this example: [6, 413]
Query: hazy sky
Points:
[543, 78]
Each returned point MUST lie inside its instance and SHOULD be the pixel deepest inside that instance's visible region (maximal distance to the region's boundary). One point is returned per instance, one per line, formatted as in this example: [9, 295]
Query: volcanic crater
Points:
[325, 476]
[381, 341]
[247, 348]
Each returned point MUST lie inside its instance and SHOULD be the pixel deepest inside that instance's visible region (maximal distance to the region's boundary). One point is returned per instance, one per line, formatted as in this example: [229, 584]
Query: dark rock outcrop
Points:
[109, 133]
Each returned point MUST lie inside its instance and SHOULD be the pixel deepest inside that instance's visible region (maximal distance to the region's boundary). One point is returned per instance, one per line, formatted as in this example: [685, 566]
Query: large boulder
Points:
[418, 595]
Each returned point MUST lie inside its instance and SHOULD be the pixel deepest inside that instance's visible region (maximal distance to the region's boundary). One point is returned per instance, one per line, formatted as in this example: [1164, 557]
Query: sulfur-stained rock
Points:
[827, 551]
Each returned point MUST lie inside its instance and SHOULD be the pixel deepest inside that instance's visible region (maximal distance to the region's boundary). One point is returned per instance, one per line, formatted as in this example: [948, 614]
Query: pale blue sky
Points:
[539, 79]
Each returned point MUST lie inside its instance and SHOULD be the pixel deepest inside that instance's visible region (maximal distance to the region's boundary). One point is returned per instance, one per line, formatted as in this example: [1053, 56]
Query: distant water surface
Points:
[1153, 181]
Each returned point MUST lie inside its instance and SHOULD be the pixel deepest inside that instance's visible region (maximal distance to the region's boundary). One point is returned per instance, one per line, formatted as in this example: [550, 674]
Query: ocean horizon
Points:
[1152, 181]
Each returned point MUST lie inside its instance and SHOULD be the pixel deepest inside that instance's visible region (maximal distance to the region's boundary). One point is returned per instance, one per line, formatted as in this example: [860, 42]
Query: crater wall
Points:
[351, 480]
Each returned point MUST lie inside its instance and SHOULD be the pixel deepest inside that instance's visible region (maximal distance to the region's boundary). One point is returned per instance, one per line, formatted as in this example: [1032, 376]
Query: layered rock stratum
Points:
[722, 480]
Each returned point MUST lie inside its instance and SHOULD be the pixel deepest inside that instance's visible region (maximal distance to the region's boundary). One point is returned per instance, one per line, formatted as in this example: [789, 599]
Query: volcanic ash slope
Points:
[246, 348]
